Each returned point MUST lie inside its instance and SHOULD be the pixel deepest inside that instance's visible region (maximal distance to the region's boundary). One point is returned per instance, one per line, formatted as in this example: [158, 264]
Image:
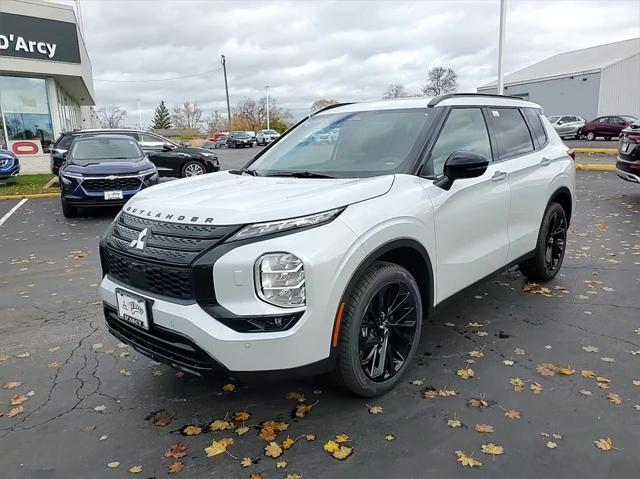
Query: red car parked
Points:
[606, 126]
[217, 135]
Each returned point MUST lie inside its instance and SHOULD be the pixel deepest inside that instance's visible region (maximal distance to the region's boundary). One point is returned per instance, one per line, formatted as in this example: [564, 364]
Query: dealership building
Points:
[591, 82]
[46, 84]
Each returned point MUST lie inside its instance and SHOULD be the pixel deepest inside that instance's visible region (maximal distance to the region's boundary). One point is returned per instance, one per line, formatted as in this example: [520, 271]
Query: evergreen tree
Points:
[161, 118]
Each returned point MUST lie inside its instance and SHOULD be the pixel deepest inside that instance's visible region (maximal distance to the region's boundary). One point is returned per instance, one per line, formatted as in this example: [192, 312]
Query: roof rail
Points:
[437, 99]
[329, 107]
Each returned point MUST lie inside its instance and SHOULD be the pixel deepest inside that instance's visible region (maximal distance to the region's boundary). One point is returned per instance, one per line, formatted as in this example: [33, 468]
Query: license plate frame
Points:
[133, 309]
[113, 195]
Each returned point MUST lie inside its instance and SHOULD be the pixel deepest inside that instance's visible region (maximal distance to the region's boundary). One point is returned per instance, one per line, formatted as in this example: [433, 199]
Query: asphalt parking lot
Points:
[88, 406]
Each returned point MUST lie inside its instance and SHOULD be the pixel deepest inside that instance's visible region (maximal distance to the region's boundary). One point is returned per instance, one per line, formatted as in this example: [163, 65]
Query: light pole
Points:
[503, 13]
[267, 89]
[139, 116]
[223, 60]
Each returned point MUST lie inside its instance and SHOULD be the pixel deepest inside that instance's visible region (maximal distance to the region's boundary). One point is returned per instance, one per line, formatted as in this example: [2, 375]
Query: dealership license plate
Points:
[113, 195]
[132, 309]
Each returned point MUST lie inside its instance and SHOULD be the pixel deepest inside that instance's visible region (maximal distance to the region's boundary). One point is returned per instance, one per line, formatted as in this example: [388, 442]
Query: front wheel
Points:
[591, 136]
[550, 248]
[380, 330]
[192, 168]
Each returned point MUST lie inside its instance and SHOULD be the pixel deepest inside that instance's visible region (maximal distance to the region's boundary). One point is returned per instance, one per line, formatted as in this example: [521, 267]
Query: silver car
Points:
[567, 125]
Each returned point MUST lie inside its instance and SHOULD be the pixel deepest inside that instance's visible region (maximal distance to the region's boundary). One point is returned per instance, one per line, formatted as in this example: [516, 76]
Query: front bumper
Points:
[9, 168]
[329, 260]
[628, 170]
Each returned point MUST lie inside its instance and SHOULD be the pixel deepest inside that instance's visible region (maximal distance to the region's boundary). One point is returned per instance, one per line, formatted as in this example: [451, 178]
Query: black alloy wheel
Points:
[556, 241]
[387, 331]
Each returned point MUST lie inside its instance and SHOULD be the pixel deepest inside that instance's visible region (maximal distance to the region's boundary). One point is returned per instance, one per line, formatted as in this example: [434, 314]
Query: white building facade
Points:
[46, 84]
[591, 82]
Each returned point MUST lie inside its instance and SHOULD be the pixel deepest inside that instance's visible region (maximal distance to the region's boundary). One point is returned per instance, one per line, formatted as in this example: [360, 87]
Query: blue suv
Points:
[9, 165]
[103, 170]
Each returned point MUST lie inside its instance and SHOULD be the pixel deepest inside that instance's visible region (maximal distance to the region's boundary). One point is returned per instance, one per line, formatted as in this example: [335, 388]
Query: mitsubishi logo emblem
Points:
[139, 243]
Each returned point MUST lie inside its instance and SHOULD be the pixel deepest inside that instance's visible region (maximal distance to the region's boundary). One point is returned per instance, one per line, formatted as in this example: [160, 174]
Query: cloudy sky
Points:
[347, 50]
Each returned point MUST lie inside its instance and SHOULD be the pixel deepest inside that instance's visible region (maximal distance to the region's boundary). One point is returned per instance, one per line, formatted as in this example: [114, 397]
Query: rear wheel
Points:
[192, 168]
[380, 330]
[550, 248]
[591, 136]
[69, 211]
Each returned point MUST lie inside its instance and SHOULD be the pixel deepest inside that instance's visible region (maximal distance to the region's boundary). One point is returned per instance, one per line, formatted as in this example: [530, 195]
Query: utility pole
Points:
[223, 60]
[503, 13]
[139, 116]
[267, 88]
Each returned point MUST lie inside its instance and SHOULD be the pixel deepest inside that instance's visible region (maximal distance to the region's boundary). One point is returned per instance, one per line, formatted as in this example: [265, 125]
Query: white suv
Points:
[328, 256]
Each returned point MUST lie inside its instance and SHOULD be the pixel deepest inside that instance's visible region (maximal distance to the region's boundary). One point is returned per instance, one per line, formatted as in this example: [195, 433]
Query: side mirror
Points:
[167, 147]
[64, 155]
[461, 165]
[560, 122]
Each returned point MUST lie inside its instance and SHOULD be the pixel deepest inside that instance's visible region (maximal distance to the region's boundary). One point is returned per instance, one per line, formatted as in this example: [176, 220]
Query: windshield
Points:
[553, 119]
[106, 149]
[347, 145]
[241, 134]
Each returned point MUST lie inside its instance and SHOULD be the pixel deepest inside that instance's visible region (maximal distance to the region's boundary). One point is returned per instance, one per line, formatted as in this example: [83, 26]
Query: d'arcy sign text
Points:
[38, 38]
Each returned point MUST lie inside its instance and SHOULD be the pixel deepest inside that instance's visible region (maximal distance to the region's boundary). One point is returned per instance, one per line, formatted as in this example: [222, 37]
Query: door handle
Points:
[545, 162]
[499, 176]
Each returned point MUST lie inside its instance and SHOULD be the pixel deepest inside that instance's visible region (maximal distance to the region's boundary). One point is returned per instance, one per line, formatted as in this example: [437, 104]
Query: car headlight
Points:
[269, 227]
[67, 178]
[279, 279]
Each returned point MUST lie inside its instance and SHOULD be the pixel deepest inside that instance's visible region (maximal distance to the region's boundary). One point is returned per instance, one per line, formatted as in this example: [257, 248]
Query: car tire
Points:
[388, 281]
[192, 168]
[550, 247]
[69, 211]
[607, 138]
[591, 136]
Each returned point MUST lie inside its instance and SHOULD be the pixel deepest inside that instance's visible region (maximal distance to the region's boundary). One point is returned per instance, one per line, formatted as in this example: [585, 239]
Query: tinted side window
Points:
[512, 133]
[150, 142]
[535, 121]
[464, 130]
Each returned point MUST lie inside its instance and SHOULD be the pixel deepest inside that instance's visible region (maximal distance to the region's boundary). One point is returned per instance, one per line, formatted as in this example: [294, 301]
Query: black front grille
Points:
[164, 265]
[106, 184]
[161, 344]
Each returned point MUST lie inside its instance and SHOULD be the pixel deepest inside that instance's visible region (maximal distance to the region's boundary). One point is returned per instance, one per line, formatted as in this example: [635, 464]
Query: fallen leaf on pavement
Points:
[12, 384]
[585, 392]
[484, 428]
[587, 373]
[466, 373]
[241, 430]
[375, 409]
[18, 399]
[54, 365]
[100, 408]
[536, 388]
[163, 418]
[479, 403]
[547, 369]
[591, 349]
[493, 449]
[176, 451]
[517, 383]
[302, 410]
[113, 464]
[241, 416]
[551, 445]
[273, 450]
[454, 423]
[246, 462]
[614, 398]
[604, 444]
[512, 414]
[281, 464]
[389, 437]
[287, 443]
[220, 425]
[175, 467]
[229, 388]
[568, 371]
[310, 437]
[24, 355]
[608, 359]
[135, 469]
[192, 430]
[218, 447]
[466, 460]
[13, 412]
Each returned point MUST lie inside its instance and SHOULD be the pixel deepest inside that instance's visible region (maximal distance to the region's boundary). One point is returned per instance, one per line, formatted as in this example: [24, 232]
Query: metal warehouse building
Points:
[46, 84]
[591, 82]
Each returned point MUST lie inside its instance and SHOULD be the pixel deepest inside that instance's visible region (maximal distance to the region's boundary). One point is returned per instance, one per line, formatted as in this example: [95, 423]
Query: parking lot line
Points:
[12, 211]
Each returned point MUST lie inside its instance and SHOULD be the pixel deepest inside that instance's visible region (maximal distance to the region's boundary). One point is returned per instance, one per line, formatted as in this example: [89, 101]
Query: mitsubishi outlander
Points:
[327, 256]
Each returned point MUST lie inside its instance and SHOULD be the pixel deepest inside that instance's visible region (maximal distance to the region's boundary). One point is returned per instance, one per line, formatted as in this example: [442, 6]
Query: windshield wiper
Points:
[300, 174]
[242, 171]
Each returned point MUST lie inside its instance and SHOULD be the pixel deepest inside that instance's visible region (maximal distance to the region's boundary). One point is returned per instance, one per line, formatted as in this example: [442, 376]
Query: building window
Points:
[25, 110]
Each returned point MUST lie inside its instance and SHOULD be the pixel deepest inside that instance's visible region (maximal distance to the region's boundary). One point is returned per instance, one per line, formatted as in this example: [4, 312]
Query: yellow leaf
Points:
[446, 392]
[303, 409]
[614, 398]
[113, 464]
[602, 227]
[604, 444]
[12, 384]
[585, 392]
[241, 416]
[287, 443]
[587, 373]
[295, 395]
[14, 411]
[342, 453]
[175, 467]
[536, 388]
[18, 399]
[551, 445]
[417, 382]
[229, 388]
[310, 437]
[220, 425]
[340, 438]
[54, 365]
[636, 383]
[281, 464]
[273, 450]
[466, 373]
[135, 469]
[295, 475]
[568, 371]
[517, 383]
[389, 437]
[484, 428]
[218, 447]
[512, 414]
[476, 354]
[466, 460]
[454, 423]
[192, 430]
[547, 369]
[331, 446]
[376, 410]
[493, 449]
[241, 430]
[246, 462]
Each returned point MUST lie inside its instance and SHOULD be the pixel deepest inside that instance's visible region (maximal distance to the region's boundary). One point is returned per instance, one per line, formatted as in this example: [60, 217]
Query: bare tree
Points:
[187, 116]
[215, 122]
[251, 115]
[111, 116]
[441, 80]
[395, 90]
[321, 103]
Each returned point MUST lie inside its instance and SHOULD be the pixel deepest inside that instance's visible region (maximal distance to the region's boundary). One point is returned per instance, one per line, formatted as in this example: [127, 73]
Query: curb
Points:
[30, 197]
[595, 167]
[606, 151]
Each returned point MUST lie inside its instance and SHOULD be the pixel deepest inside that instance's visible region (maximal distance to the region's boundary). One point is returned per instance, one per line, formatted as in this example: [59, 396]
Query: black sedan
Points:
[170, 158]
[628, 164]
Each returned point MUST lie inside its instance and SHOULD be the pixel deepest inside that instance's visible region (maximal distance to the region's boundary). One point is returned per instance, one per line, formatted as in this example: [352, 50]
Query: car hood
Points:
[225, 198]
[88, 168]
